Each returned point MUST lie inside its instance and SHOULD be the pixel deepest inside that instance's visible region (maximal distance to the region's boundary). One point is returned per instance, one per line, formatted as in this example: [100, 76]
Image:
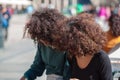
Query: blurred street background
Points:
[17, 53]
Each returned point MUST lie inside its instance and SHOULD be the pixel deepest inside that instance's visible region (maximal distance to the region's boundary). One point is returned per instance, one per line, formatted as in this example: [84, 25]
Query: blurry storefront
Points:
[61, 3]
[58, 4]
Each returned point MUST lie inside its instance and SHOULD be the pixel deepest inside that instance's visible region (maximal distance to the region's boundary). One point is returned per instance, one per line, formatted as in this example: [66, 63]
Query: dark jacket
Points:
[50, 59]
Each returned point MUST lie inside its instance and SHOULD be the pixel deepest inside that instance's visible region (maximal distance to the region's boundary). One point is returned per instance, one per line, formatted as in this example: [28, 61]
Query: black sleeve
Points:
[105, 69]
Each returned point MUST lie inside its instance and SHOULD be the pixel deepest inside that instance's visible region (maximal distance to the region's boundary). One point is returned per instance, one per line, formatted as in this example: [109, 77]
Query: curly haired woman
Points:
[42, 28]
[87, 60]
[113, 34]
[85, 40]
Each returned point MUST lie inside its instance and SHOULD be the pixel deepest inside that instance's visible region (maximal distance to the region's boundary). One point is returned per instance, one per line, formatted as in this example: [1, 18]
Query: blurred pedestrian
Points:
[102, 13]
[30, 9]
[6, 17]
[47, 57]
[11, 10]
[108, 12]
[79, 8]
[1, 28]
[113, 34]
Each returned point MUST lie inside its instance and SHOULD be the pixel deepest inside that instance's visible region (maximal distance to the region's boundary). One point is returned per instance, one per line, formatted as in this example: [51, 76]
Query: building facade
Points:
[58, 4]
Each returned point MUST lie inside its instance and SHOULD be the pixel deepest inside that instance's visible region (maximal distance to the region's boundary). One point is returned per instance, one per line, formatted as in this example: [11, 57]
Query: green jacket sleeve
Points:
[37, 68]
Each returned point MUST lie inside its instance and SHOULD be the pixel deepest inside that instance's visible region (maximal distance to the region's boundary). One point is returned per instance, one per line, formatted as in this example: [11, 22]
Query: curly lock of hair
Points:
[87, 16]
[114, 22]
[42, 25]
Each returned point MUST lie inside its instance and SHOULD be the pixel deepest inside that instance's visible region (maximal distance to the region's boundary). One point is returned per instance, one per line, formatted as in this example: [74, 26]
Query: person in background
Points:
[30, 9]
[1, 28]
[102, 12]
[7, 16]
[113, 34]
[10, 10]
[108, 12]
[42, 24]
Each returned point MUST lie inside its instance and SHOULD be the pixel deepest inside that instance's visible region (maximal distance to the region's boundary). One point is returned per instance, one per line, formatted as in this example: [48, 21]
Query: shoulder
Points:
[103, 61]
[102, 56]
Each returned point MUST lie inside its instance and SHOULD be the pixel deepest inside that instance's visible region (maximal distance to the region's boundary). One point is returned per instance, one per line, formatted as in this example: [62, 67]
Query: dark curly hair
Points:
[85, 36]
[114, 22]
[43, 26]
[85, 15]
[78, 35]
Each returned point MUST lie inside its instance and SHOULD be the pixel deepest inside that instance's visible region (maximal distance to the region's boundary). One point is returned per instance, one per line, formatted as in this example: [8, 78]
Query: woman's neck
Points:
[83, 61]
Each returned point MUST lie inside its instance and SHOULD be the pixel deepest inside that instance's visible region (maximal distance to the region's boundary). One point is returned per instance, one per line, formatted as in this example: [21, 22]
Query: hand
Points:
[23, 78]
